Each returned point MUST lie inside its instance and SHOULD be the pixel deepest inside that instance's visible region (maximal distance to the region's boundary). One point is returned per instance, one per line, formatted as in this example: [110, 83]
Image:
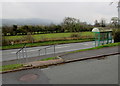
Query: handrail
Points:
[21, 48]
[46, 48]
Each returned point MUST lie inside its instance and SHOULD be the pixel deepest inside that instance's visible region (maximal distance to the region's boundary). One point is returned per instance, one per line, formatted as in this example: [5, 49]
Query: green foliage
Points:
[68, 25]
[10, 67]
[5, 41]
[75, 35]
[74, 25]
[46, 43]
[29, 38]
[49, 36]
[50, 58]
[116, 34]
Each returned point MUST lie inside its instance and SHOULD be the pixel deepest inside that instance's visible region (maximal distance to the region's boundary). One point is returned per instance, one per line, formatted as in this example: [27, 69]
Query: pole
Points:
[39, 52]
[54, 48]
[23, 52]
[17, 58]
[45, 51]
[26, 53]
[118, 13]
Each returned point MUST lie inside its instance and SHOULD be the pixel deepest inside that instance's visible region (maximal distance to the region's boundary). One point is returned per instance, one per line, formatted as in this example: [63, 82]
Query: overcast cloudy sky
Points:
[56, 11]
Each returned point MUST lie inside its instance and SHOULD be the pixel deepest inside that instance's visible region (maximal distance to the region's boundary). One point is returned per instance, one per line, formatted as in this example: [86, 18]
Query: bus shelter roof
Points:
[101, 29]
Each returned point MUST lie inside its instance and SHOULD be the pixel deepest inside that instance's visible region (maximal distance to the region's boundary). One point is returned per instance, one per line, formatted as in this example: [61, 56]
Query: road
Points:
[94, 71]
[33, 51]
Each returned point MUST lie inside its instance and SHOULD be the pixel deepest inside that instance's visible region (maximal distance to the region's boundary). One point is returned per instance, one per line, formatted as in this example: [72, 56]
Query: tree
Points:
[114, 21]
[97, 24]
[7, 30]
[69, 24]
[14, 29]
[103, 22]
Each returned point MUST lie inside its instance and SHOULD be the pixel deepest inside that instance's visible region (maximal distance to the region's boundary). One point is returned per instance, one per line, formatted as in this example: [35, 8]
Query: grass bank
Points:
[98, 47]
[16, 66]
[50, 58]
[10, 67]
[46, 43]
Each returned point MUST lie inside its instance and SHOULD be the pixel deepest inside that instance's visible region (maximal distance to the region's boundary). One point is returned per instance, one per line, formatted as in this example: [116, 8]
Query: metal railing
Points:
[45, 49]
[22, 52]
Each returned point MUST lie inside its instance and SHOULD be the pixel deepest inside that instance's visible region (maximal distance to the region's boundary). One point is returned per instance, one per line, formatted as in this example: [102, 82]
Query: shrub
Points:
[29, 38]
[116, 34]
[43, 39]
[5, 41]
[75, 35]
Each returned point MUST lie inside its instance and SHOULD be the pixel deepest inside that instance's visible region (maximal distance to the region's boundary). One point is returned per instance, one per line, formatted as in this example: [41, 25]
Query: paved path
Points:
[91, 53]
[23, 60]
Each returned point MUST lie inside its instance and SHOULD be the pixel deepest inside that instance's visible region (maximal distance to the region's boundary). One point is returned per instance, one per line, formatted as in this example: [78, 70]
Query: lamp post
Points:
[119, 12]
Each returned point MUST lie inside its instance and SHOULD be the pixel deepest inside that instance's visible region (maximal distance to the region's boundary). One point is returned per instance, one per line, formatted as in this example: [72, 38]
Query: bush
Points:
[116, 34]
[75, 35]
[5, 41]
[29, 38]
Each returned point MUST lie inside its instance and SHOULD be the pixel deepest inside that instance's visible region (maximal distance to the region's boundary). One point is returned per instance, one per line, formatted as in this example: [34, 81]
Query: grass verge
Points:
[10, 67]
[50, 58]
[45, 43]
[99, 47]
[16, 66]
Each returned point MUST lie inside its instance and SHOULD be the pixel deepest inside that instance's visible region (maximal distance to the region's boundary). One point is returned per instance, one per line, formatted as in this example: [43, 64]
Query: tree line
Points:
[68, 25]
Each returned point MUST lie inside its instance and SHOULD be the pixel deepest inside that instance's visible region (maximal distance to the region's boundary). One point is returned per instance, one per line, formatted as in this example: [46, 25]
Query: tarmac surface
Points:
[91, 53]
[94, 71]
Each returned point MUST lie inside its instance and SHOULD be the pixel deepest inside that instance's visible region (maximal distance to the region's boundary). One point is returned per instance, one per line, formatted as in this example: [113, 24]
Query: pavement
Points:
[43, 63]
[91, 53]
[78, 56]
[26, 60]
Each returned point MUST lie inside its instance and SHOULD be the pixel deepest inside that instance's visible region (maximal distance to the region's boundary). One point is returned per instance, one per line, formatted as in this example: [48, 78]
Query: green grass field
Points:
[45, 43]
[48, 39]
[49, 36]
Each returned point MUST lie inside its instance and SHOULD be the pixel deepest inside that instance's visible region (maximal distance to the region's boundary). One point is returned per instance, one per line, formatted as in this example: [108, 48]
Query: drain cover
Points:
[28, 77]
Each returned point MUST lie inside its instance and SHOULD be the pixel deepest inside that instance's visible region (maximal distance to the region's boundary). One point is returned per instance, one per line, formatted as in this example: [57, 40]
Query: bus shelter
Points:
[102, 36]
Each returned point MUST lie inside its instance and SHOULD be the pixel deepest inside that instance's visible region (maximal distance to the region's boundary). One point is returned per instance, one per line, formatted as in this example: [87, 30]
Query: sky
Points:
[57, 11]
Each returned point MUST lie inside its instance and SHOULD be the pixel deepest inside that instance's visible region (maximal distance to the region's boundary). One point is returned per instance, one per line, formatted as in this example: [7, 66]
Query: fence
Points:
[45, 49]
[22, 54]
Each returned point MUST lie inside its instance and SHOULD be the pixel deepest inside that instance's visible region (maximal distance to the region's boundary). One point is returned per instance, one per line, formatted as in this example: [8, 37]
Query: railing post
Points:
[54, 49]
[26, 53]
[19, 55]
[17, 58]
[39, 52]
[45, 51]
[23, 52]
